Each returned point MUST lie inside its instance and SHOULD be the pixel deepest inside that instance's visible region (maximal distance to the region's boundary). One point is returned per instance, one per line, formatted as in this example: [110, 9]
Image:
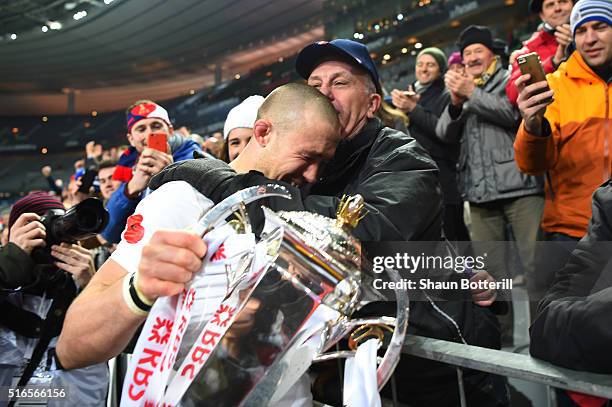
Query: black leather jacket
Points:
[396, 177]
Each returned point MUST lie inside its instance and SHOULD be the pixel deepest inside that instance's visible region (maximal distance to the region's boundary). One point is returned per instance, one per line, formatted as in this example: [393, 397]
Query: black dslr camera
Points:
[83, 220]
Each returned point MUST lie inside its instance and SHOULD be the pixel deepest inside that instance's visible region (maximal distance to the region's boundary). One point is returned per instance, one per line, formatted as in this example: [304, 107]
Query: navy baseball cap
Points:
[344, 50]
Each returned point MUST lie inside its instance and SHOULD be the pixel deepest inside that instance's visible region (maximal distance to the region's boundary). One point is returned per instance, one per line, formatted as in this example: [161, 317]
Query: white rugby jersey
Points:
[177, 205]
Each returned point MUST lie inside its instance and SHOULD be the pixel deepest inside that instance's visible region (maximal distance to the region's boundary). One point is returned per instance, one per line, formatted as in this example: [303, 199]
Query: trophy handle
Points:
[400, 323]
[237, 202]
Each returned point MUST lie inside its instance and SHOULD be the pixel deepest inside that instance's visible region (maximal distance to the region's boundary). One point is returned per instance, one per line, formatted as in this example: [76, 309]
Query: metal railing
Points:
[507, 364]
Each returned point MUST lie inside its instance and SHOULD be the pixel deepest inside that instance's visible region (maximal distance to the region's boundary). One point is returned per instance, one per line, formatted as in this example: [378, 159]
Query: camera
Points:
[83, 220]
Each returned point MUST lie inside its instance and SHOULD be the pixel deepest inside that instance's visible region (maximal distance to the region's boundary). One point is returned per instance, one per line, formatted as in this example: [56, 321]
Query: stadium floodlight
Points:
[44, 28]
[79, 15]
[54, 25]
[400, 17]
[13, 36]
[418, 45]
[107, 2]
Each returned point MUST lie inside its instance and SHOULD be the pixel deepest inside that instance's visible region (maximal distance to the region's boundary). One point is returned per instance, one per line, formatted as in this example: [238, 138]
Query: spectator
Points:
[198, 139]
[500, 48]
[396, 177]
[550, 41]
[139, 163]
[424, 103]
[214, 145]
[93, 154]
[480, 116]
[46, 172]
[568, 138]
[108, 185]
[455, 62]
[482, 119]
[31, 316]
[238, 127]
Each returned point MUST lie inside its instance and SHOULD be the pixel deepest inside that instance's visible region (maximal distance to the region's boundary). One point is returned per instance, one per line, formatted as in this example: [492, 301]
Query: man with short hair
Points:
[287, 145]
[108, 185]
[139, 162]
[550, 41]
[568, 137]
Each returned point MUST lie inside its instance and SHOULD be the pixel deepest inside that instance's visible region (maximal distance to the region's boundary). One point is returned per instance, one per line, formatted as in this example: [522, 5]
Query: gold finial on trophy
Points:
[350, 210]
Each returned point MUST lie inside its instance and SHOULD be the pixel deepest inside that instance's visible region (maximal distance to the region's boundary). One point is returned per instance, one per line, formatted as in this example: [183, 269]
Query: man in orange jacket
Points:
[569, 138]
[550, 41]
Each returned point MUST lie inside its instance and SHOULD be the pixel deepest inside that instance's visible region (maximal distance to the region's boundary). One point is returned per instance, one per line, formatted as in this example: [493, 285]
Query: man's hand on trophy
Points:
[241, 326]
[486, 296]
[169, 261]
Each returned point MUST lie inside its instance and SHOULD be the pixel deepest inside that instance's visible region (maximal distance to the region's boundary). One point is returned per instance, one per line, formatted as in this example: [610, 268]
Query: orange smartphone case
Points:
[158, 142]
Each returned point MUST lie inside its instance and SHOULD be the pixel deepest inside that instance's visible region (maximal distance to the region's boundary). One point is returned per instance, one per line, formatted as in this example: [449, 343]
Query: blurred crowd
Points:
[523, 154]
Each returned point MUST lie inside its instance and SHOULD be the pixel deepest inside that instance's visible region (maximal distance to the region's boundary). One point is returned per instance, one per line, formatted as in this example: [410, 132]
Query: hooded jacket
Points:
[574, 150]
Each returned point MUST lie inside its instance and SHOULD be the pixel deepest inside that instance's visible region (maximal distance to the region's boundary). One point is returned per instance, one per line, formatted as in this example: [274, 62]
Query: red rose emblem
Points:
[143, 109]
[133, 230]
[219, 254]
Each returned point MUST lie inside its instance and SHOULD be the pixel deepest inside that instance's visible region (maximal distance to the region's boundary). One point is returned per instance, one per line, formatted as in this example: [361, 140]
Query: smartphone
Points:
[158, 141]
[530, 64]
[87, 180]
[409, 93]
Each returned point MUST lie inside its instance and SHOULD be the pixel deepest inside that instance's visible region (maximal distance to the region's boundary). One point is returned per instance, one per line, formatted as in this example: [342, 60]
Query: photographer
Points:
[36, 293]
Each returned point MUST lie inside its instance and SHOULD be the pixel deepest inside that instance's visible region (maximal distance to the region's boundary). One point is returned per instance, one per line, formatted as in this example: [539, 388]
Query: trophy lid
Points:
[332, 254]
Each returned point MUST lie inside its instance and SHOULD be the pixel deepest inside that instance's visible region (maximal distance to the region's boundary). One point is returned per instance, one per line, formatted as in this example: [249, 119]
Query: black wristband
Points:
[134, 296]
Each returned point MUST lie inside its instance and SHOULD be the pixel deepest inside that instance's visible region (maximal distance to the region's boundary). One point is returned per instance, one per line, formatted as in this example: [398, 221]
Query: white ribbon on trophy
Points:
[151, 366]
[360, 385]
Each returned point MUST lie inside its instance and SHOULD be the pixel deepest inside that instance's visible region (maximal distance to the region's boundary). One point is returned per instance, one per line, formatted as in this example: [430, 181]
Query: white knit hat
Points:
[243, 115]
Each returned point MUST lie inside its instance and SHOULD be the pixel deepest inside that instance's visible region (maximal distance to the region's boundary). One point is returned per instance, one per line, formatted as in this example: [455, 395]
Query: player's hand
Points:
[169, 261]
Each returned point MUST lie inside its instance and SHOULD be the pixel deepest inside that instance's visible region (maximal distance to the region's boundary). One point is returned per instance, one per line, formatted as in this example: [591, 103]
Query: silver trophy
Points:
[294, 309]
